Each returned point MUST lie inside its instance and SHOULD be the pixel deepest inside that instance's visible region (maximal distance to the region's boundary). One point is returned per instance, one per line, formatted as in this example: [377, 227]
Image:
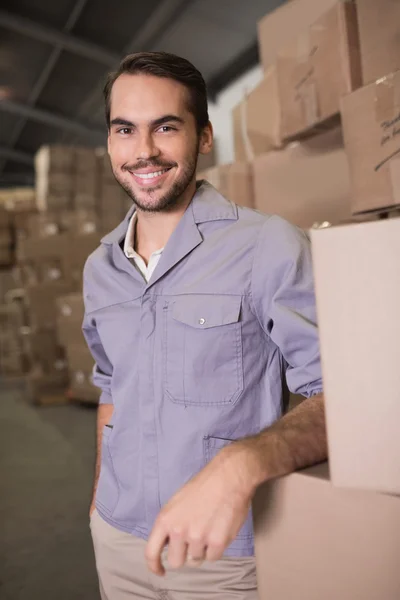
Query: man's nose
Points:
[146, 148]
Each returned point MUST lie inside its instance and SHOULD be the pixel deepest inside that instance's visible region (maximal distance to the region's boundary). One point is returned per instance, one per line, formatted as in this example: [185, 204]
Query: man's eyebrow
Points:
[124, 122]
[167, 119]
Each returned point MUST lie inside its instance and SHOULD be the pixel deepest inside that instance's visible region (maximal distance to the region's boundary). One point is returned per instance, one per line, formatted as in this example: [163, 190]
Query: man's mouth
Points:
[150, 175]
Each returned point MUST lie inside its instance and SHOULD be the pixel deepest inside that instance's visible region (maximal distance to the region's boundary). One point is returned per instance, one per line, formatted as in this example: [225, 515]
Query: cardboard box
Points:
[110, 197]
[315, 69]
[42, 302]
[80, 221]
[8, 282]
[282, 25]
[317, 542]
[234, 181]
[6, 237]
[20, 223]
[54, 191]
[86, 190]
[5, 218]
[11, 356]
[43, 248]
[17, 200]
[371, 128]
[41, 383]
[256, 120]
[43, 225]
[81, 246]
[79, 357]
[80, 364]
[7, 256]
[70, 311]
[56, 202]
[104, 165]
[47, 352]
[11, 318]
[307, 182]
[379, 37]
[109, 221]
[359, 336]
[85, 161]
[55, 159]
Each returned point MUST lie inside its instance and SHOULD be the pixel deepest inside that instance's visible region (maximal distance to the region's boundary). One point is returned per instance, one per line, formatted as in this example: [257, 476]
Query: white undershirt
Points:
[129, 244]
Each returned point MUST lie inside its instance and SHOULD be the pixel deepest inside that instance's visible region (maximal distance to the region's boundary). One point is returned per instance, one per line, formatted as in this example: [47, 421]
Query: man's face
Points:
[153, 142]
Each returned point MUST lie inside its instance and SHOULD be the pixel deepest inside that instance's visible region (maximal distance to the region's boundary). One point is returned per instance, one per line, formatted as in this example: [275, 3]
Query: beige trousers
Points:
[123, 574]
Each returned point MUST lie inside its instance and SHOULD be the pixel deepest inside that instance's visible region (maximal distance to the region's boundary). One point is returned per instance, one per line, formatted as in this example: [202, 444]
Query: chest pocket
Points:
[203, 363]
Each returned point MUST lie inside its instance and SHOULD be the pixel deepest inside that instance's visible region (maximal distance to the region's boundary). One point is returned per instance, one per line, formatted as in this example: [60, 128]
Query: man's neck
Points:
[153, 230]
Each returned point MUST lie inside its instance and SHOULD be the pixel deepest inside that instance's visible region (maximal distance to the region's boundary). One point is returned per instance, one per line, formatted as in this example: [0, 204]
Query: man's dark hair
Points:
[170, 66]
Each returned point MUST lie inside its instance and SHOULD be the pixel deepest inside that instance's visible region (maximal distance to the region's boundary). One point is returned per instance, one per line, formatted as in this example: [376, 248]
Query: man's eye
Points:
[166, 129]
[124, 130]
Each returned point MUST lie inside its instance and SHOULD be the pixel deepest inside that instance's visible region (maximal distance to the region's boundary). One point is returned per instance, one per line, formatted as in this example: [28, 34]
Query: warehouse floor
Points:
[46, 472]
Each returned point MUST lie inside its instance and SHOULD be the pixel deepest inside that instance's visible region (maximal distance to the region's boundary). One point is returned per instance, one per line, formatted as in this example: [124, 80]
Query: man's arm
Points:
[104, 414]
[295, 441]
[102, 375]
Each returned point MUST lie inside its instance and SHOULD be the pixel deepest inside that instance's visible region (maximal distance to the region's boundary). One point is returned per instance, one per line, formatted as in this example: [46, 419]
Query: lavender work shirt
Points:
[198, 356]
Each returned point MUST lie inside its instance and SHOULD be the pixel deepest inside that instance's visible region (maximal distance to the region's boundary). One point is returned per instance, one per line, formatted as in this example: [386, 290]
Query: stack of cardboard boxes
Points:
[50, 260]
[6, 239]
[332, 531]
[290, 153]
[70, 311]
[77, 200]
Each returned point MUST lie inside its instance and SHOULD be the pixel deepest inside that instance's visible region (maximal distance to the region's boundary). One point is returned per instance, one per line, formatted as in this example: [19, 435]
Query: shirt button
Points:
[202, 321]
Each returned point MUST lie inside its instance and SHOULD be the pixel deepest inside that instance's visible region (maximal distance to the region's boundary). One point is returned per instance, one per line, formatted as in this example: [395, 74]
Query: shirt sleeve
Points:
[284, 302]
[102, 370]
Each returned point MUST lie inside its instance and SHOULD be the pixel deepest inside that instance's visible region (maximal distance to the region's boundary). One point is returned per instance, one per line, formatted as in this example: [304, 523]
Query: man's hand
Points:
[205, 516]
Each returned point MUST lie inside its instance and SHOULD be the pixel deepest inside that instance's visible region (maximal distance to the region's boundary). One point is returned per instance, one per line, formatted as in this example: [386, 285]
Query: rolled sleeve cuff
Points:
[105, 398]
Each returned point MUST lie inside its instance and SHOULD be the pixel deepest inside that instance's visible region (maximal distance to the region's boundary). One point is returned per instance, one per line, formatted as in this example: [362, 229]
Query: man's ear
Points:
[206, 139]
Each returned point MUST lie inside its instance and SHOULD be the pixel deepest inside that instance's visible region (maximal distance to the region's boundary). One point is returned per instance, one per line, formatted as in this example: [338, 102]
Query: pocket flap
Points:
[206, 311]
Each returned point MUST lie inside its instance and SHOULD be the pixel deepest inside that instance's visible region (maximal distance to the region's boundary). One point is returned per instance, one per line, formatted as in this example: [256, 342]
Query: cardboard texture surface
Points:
[317, 542]
[85, 161]
[70, 311]
[79, 358]
[234, 181]
[282, 25]
[379, 32]
[371, 128]
[315, 69]
[256, 120]
[360, 338]
[47, 352]
[42, 302]
[307, 182]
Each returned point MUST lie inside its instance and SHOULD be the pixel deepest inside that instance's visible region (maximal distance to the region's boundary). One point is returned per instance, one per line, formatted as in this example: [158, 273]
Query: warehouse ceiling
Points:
[54, 55]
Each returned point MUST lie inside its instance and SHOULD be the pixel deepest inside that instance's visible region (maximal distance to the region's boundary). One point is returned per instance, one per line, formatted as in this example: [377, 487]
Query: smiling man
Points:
[197, 314]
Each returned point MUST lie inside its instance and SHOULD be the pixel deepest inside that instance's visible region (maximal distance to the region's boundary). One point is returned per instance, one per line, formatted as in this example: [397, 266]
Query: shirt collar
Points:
[129, 242]
[207, 205]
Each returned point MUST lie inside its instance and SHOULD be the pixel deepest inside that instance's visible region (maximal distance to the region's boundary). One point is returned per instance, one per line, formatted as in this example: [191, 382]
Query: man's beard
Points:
[174, 196]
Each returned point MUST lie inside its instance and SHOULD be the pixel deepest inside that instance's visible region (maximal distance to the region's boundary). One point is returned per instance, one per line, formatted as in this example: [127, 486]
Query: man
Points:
[196, 312]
